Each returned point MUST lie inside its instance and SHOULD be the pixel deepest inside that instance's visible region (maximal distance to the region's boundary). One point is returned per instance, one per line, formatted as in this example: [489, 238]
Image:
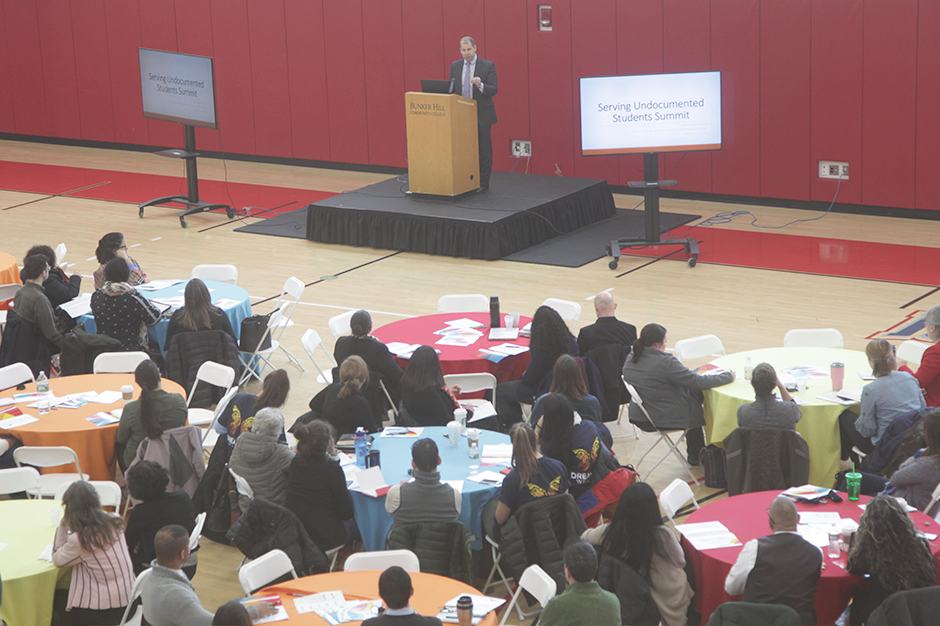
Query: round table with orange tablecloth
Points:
[9, 273]
[431, 593]
[93, 444]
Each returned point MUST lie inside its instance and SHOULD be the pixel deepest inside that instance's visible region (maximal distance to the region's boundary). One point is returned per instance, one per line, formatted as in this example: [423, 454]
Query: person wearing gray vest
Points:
[426, 499]
[782, 568]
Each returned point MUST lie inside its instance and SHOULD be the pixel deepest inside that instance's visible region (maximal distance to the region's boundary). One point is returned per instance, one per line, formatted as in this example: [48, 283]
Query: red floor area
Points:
[137, 188]
[812, 255]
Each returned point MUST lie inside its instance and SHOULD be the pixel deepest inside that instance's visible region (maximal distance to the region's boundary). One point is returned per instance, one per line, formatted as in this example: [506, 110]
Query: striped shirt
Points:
[101, 579]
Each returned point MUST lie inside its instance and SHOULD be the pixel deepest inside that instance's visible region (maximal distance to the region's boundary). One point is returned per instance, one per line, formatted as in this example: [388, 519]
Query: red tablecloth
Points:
[746, 517]
[456, 359]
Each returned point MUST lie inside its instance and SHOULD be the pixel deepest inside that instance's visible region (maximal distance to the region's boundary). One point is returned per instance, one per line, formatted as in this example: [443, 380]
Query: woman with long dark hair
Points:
[197, 313]
[122, 312]
[113, 245]
[102, 574]
[638, 536]
[59, 288]
[671, 392]
[426, 398]
[888, 549]
[150, 414]
[550, 339]
[568, 380]
[238, 415]
[343, 404]
[578, 446]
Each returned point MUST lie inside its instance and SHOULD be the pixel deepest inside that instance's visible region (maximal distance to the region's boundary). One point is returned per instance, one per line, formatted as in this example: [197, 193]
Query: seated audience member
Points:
[153, 412]
[59, 288]
[426, 499]
[113, 246]
[396, 591]
[316, 488]
[767, 411]
[167, 595]
[342, 403]
[424, 395]
[147, 482]
[578, 446]
[607, 329]
[671, 392]
[550, 338]
[888, 549]
[928, 373]
[533, 475]
[31, 303]
[919, 475]
[637, 535]
[262, 460]
[232, 613]
[583, 602]
[122, 312]
[568, 380]
[890, 395]
[782, 568]
[372, 351]
[197, 313]
[240, 413]
[91, 540]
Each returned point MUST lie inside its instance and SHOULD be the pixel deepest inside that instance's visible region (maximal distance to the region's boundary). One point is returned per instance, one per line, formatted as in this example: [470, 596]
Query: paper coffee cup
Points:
[453, 433]
[128, 392]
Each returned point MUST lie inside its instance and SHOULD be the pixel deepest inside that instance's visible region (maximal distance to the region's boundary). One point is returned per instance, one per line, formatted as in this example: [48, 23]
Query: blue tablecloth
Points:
[371, 517]
[217, 290]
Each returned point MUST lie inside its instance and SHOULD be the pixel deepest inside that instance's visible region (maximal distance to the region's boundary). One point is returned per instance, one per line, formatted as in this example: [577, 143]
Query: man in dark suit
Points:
[607, 329]
[476, 78]
[396, 591]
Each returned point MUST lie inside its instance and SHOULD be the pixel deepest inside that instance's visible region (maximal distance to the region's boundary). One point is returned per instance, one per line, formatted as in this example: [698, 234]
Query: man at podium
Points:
[475, 78]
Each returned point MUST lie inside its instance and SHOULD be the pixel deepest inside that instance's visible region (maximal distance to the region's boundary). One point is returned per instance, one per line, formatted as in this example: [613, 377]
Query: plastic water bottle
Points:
[42, 388]
[362, 447]
[748, 368]
[835, 546]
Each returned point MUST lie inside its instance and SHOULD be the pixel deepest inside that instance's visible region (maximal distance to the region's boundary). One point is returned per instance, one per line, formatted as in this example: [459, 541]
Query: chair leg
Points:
[290, 357]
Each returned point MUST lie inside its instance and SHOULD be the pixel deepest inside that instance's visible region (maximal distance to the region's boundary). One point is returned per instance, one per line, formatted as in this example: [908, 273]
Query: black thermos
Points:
[494, 312]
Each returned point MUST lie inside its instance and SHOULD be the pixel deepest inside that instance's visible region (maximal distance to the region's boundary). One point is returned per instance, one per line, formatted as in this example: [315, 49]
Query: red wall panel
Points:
[507, 38]
[194, 37]
[345, 74]
[58, 65]
[687, 48]
[927, 152]
[423, 42]
[735, 35]
[266, 40]
[593, 53]
[462, 19]
[306, 65]
[836, 96]
[26, 77]
[889, 103]
[93, 70]
[234, 83]
[785, 48]
[158, 32]
[6, 93]
[122, 21]
[383, 50]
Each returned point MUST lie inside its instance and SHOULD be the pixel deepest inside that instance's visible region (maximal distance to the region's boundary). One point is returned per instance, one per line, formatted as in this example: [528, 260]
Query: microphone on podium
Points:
[451, 88]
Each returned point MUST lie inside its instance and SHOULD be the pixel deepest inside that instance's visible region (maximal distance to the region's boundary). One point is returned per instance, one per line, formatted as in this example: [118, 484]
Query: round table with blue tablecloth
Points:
[232, 299]
[395, 458]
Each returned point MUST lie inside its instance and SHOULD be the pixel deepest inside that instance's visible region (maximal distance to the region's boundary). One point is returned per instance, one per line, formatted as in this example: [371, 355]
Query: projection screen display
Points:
[177, 87]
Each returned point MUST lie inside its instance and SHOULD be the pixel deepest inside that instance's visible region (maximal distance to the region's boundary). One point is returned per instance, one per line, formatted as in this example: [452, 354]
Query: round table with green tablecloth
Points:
[820, 422]
[29, 583]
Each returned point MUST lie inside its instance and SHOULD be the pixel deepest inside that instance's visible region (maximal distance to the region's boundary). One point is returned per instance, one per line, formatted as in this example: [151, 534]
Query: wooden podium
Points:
[443, 150]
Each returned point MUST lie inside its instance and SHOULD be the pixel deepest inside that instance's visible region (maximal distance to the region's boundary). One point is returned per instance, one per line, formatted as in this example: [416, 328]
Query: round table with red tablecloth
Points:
[457, 359]
[746, 516]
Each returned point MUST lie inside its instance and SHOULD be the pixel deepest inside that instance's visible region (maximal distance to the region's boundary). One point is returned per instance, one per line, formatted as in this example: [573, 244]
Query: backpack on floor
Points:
[713, 462]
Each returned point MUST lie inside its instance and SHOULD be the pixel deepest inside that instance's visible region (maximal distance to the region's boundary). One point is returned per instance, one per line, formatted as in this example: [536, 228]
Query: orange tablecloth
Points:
[94, 445]
[431, 592]
[9, 273]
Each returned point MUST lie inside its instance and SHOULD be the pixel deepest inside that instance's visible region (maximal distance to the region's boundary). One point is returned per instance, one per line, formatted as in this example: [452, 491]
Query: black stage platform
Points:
[519, 211]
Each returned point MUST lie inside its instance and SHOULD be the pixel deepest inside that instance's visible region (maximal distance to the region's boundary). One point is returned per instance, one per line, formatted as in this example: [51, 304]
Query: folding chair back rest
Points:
[339, 324]
[109, 492]
[215, 374]
[912, 351]
[220, 273]
[311, 341]
[538, 583]
[382, 560]
[675, 496]
[698, 347]
[135, 593]
[46, 456]
[463, 303]
[813, 338]
[17, 479]
[118, 362]
[197, 530]
[15, 374]
[568, 310]
[258, 573]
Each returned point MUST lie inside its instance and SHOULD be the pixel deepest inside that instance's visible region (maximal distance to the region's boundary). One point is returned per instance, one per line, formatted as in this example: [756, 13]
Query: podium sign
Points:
[443, 153]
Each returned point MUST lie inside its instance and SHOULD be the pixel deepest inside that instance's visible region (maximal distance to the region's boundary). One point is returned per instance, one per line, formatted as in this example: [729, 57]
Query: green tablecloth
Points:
[820, 422]
[28, 582]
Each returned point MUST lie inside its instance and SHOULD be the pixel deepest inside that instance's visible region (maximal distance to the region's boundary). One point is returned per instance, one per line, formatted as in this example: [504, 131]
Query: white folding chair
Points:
[17, 479]
[663, 437]
[109, 492]
[912, 351]
[339, 324]
[471, 383]
[6, 293]
[496, 569]
[214, 374]
[265, 569]
[463, 303]
[15, 374]
[60, 252]
[536, 582]
[49, 456]
[118, 362]
[291, 294]
[260, 353]
[382, 560]
[135, 593]
[674, 498]
[311, 341]
[333, 554]
[210, 436]
[241, 485]
[197, 530]
[813, 338]
[698, 347]
[569, 311]
[219, 273]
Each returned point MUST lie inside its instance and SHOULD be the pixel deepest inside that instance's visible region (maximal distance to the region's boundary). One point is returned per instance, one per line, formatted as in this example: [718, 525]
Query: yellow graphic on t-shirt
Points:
[586, 459]
[237, 427]
[554, 488]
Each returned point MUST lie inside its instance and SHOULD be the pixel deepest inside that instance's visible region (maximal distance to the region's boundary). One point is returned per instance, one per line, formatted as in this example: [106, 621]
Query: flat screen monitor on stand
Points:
[180, 88]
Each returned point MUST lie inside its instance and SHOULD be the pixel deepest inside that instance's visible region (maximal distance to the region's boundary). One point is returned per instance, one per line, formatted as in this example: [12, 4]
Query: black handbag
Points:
[253, 330]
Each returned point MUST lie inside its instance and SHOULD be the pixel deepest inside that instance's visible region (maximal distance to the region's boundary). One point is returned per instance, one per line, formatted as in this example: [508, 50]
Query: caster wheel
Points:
[692, 262]
[140, 213]
[613, 264]
[230, 213]
[184, 223]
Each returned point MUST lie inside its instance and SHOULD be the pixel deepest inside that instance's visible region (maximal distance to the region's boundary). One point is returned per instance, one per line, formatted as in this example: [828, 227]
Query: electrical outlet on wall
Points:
[833, 169]
[521, 148]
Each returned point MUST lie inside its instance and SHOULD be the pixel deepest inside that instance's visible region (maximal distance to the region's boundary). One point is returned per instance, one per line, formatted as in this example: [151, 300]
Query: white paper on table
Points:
[465, 323]
[461, 341]
[403, 350]
[496, 454]
[902, 501]
[2, 546]
[350, 471]
[488, 477]
[402, 432]
[107, 397]
[344, 459]
[814, 534]
[16, 422]
[369, 481]
[456, 484]
[226, 303]
[31, 396]
[279, 615]
[825, 518]
[509, 349]
[482, 409]
[709, 535]
[78, 306]
[118, 412]
[154, 285]
[502, 334]
[481, 606]
[845, 397]
[173, 302]
[46, 554]
[324, 600]
[7, 401]
[806, 492]
[866, 375]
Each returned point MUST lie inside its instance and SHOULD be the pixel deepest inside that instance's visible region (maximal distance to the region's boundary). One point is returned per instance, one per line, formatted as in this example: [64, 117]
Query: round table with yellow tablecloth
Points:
[820, 422]
[29, 583]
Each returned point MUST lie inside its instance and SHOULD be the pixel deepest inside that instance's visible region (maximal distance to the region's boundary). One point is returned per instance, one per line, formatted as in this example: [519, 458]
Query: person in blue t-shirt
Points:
[576, 445]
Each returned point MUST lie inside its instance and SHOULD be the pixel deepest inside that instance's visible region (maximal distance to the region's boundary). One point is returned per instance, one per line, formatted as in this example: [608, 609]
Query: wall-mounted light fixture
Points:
[545, 17]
